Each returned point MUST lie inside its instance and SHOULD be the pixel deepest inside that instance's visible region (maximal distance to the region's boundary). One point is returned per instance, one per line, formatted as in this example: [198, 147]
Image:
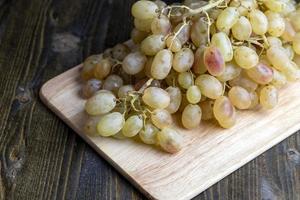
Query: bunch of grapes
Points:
[201, 59]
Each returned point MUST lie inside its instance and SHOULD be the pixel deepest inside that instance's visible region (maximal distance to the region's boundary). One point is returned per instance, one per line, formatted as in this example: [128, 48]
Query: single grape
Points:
[183, 60]
[91, 87]
[144, 10]
[161, 118]
[214, 61]
[224, 112]
[133, 125]
[143, 24]
[90, 127]
[244, 6]
[246, 57]
[134, 63]
[193, 94]
[227, 18]
[161, 25]
[170, 140]
[102, 69]
[232, 70]
[101, 103]
[162, 64]
[156, 97]
[184, 34]
[173, 44]
[149, 134]
[261, 74]
[209, 86]
[276, 24]
[239, 97]
[120, 51]
[259, 22]
[89, 66]
[279, 79]
[269, 97]
[207, 109]
[185, 80]
[199, 32]
[275, 5]
[124, 90]
[223, 43]
[199, 66]
[110, 124]
[138, 36]
[113, 83]
[279, 59]
[153, 44]
[191, 116]
[175, 99]
[242, 30]
[289, 31]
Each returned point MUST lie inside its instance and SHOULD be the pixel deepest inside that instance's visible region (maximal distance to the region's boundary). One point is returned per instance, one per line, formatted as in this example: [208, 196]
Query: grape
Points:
[242, 30]
[120, 51]
[240, 97]
[269, 97]
[274, 41]
[274, 5]
[214, 61]
[138, 36]
[245, 82]
[170, 140]
[279, 80]
[289, 32]
[90, 127]
[161, 25]
[227, 18]
[191, 116]
[175, 99]
[149, 133]
[296, 43]
[102, 69]
[244, 6]
[143, 24]
[199, 32]
[89, 65]
[294, 17]
[289, 51]
[207, 109]
[194, 3]
[134, 63]
[209, 86]
[254, 100]
[173, 43]
[292, 72]
[113, 83]
[261, 74]
[278, 58]
[184, 34]
[259, 22]
[102, 102]
[224, 112]
[133, 125]
[91, 87]
[193, 94]
[183, 60]
[276, 24]
[185, 80]
[153, 44]
[124, 90]
[110, 124]
[156, 98]
[231, 71]
[199, 66]
[222, 42]
[160, 4]
[246, 57]
[161, 118]
[162, 64]
[144, 10]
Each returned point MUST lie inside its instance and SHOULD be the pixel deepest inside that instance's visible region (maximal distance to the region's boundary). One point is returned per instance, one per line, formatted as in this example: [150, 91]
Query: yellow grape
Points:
[175, 99]
[199, 66]
[184, 34]
[294, 17]
[153, 44]
[275, 5]
[239, 97]
[102, 102]
[244, 6]
[289, 32]
[174, 44]
[199, 32]
[161, 118]
[124, 90]
[193, 94]
[185, 80]
[227, 18]
[209, 86]
[224, 112]
[134, 63]
[261, 74]
[161, 25]
[183, 60]
[269, 97]
[232, 70]
[144, 10]
[191, 116]
[279, 59]
[89, 66]
[276, 24]
[156, 97]
[214, 61]
[246, 57]
[113, 83]
[170, 140]
[254, 100]
[110, 124]
[279, 79]
[102, 69]
[148, 66]
[296, 43]
[149, 133]
[289, 51]
[223, 43]
[274, 41]
[132, 126]
[162, 64]
[258, 21]
[242, 30]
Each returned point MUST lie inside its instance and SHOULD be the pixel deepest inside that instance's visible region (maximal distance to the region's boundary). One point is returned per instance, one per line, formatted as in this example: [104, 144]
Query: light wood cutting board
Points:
[210, 153]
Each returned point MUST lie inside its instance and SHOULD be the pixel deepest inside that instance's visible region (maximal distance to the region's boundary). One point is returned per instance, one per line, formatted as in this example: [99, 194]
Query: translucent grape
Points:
[242, 30]
[173, 43]
[184, 33]
[274, 41]
[90, 127]
[175, 99]
[244, 6]
[289, 51]
[214, 61]
[207, 109]
[102, 69]
[193, 94]
[161, 118]
[258, 21]
[227, 18]
[162, 64]
[246, 57]
[261, 74]
[156, 97]
[149, 133]
[278, 58]
[294, 17]
[144, 10]
[153, 44]
[240, 97]
[134, 63]
[199, 32]
[124, 90]
[185, 80]
[161, 25]
[224, 112]
[209, 86]
[120, 51]
[143, 24]
[89, 65]
[132, 126]
[138, 36]
[191, 116]
[269, 97]
[110, 124]
[275, 5]
[289, 32]
[170, 140]
[199, 66]
[231, 71]
[279, 79]
[160, 4]
[276, 24]
[223, 43]
[183, 60]
[102, 102]
[91, 87]
[113, 83]
[296, 43]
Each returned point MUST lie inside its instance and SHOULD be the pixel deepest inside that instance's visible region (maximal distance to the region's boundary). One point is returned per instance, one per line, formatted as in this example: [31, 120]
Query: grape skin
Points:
[101, 103]
[132, 126]
[170, 140]
[156, 98]
[161, 118]
[224, 112]
[193, 94]
[269, 97]
[110, 124]
[191, 116]
[209, 86]
[149, 134]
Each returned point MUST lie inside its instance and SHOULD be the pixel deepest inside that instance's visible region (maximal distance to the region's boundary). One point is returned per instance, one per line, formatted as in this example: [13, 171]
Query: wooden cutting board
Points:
[210, 153]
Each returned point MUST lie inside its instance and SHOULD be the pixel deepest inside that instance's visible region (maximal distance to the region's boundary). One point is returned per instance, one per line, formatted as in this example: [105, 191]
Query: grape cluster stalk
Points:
[202, 60]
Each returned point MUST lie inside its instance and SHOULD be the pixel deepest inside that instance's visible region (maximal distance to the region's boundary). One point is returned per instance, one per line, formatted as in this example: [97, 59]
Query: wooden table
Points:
[41, 158]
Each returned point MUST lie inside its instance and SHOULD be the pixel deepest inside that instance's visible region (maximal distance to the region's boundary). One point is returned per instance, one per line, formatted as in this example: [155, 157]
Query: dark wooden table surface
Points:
[41, 158]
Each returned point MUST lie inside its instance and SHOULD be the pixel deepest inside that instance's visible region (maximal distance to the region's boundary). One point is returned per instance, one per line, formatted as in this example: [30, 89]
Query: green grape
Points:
[227, 18]
[289, 31]
[170, 140]
[120, 51]
[144, 10]
[161, 118]
[113, 83]
[91, 87]
[279, 79]
[191, 116]
[254, 100]
[89, 66]
[261, 74]
[276, 24]
[224, 112]
[240, 97]
[124, 90]
[110, 124]
[209, 86]
[173, 44]
[231, 71]
[269, 97]
[274, 41]
[161, 25]
[259, 22]
[199, 32]
[156, 98]
[289, 51]
[102, 102]
[243, 81]
[242, 30]
[223, 43]
[133, 125]
[246, 57]
[275, 5]
[153, 44]
[175, 99]
[134, 63]
[193, 94]
[143, 24]
[90, 127]
[185, 80]
[149, 134]
[183, 60]
[184, 34]
[102, 69]
[162, 64]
